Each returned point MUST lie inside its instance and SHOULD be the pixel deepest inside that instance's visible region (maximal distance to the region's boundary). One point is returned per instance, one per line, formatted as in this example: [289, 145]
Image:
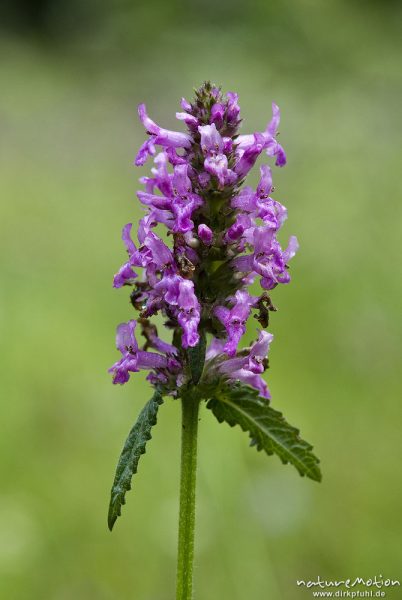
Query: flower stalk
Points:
[185, 556]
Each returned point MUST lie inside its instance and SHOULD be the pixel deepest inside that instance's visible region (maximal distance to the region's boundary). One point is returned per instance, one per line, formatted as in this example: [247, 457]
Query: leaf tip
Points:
[111, 520]
[314, 474]
[318, 476]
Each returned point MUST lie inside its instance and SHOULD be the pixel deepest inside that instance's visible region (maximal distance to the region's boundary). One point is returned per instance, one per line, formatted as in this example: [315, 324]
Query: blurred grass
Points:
[68, 135]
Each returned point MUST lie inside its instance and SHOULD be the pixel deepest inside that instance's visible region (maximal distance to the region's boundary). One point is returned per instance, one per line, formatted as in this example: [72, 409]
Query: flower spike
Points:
[204, 240]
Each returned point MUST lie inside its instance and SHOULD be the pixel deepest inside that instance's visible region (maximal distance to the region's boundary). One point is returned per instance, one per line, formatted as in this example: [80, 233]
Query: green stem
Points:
[185, 558]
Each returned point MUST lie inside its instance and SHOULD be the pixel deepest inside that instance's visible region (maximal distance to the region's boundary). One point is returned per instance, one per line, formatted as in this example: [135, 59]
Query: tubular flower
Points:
[134, 359]
[221, 237]
[248, 366]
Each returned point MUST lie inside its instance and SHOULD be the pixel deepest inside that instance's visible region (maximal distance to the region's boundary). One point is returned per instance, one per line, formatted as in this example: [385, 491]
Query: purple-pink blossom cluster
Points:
[221, 236]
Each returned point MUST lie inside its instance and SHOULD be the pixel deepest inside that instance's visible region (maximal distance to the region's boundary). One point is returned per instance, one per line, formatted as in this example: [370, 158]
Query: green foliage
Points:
[134, 446]
[241, 405]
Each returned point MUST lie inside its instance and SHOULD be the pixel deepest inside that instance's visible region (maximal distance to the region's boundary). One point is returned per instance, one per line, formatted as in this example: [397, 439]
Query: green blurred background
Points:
[71, 76]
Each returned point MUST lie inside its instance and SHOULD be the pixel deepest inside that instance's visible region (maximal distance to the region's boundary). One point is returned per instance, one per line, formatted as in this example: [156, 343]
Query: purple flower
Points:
[227, 144]
[147, 149]
[182, 211]
[234, 319]
[211, 139]
[162, 179]
[216, 162]
[205, 234]
[252, 379]
[133, 359]
[214, 349]
[268, 259]
[204, 179]
[174, 209]
[248, 157]
[258, 353]
[259, 204]
[163, 137]
[215, 91]
[217, 114]
[178, 293]
[185, 105]
[189, 120]
[161, 346]
[245, 367]
[188, 313]
[126, 275]
[160, 136]
[153, 252]
[233, 108]
[236, 231]
[266, 139]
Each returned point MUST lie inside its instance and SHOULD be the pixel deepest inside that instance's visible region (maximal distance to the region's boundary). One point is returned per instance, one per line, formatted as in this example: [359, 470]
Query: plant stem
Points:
[185, 558]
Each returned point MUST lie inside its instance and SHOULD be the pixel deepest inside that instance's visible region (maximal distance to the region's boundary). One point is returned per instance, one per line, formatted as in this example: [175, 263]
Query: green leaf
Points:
[134, 446]
[196, 359]
[241, 405]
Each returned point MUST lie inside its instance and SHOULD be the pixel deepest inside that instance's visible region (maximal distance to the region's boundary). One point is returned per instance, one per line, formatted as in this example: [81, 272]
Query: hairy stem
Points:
[185, 558]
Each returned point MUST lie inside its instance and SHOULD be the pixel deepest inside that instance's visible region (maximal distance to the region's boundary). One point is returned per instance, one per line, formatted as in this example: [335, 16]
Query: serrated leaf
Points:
[133, 448]
[241, 405]
[196, 359]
